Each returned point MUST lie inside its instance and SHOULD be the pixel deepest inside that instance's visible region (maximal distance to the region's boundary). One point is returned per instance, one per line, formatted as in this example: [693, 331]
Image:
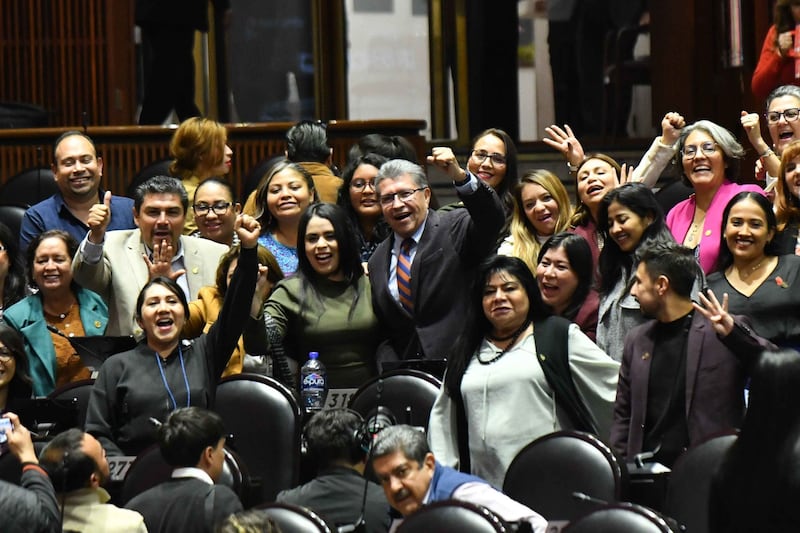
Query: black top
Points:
[665, 422]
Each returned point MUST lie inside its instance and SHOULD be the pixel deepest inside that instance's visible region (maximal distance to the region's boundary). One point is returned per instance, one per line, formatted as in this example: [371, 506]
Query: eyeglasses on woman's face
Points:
[790, 115]
[482, 155]
[219, 208]
[690, 151]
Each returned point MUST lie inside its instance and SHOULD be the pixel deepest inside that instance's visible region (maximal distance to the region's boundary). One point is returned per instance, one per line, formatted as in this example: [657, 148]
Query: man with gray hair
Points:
[411, 477]
[420, 276]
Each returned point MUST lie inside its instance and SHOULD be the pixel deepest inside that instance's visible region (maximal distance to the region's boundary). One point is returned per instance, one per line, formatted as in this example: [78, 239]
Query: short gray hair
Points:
[403, 438]
[394, 168]
[733, 152]
[783, 90]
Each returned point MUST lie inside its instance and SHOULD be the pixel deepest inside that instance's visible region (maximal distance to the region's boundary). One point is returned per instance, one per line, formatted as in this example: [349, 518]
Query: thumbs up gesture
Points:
[99, 217]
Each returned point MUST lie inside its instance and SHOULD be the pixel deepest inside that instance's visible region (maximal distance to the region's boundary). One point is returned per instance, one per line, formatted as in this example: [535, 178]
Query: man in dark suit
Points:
[421, 305]
[682, 375]
[192, 441]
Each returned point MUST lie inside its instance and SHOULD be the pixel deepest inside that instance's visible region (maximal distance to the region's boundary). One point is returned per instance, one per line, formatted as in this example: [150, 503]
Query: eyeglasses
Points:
[790, 115]
[360, 185]
[219, 208]
[6, 355]
[708, 148]
[404, 196]
[481, 155]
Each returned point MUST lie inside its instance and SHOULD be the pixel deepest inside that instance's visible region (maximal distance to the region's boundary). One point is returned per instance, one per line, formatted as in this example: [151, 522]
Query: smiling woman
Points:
[281, 198]
[327, 306]
[359, 198]
[564, 275]
[200, 151]
[709, 156]
[515, 375]
[60, 305]
[541, 209]
[629, 218]
[162, 373]
[759, 283]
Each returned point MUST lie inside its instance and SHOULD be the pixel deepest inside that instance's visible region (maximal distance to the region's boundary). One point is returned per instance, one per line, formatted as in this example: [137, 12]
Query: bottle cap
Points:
[313, 355]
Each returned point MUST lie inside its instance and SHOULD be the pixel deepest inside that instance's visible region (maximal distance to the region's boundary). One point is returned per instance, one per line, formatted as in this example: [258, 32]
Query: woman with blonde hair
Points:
[199, 148]
[541, 209]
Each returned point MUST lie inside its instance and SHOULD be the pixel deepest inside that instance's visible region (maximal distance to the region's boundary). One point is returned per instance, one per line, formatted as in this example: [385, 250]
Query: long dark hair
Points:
[349, 258]
[14, 285]
[725, 258]
[381, 229]
[505, 188]
[21, 385]
[760, 472]
[580, 261]
[476, 325]
[614, 263]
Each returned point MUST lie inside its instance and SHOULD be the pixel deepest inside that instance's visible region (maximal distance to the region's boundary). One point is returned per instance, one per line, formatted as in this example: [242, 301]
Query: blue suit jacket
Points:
[27, 317]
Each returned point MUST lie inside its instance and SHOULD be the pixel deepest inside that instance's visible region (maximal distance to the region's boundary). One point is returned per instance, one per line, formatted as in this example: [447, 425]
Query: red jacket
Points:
[772, 70]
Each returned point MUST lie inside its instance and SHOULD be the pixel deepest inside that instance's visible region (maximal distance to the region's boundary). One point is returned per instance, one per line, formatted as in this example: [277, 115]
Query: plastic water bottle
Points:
[313, 383]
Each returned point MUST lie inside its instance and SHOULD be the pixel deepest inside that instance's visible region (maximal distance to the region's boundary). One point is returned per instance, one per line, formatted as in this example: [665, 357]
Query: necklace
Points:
[61, 316]
[514, 337]
[752, 270]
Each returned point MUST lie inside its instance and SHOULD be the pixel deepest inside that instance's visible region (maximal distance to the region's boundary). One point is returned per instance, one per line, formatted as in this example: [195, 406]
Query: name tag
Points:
[339, 398]
[118, 466]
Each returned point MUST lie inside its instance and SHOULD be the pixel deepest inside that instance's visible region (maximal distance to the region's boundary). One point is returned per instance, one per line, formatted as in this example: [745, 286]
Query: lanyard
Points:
[185, 380]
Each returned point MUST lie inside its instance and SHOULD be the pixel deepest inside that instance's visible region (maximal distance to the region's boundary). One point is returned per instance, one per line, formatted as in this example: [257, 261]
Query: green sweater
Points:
[346, 346]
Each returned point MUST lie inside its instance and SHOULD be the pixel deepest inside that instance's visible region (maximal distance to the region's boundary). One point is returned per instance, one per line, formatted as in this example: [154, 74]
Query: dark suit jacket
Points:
[715, 375]
[337, 495]
[450, 248]
[179, 504]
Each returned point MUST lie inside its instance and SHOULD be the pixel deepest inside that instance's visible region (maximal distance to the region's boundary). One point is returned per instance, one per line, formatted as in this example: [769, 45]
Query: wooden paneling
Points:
[72, 57]
[127, 149]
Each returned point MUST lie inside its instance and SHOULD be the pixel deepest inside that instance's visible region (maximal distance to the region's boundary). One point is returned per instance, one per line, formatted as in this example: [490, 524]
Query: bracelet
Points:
[572, 168]
[767, 153]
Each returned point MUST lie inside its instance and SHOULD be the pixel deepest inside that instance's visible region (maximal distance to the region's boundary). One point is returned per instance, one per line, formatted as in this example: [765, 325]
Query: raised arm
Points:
[225, 332]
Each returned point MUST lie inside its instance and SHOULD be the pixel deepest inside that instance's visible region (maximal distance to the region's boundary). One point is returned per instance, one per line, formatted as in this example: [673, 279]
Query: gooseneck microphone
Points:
[53, 329]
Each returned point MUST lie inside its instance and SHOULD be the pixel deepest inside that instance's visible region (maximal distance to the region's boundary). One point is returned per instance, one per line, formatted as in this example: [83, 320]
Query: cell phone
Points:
[5, 423]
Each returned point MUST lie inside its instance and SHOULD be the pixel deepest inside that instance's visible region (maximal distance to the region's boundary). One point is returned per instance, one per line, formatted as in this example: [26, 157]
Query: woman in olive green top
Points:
[326, 306]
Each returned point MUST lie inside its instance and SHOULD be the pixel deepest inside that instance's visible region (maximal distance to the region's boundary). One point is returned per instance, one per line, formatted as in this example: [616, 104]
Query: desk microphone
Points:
[583, 497]
[53, 329]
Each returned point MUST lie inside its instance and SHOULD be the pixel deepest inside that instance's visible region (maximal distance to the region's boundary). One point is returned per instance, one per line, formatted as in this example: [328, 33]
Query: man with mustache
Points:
[117, 264]
[411, 478]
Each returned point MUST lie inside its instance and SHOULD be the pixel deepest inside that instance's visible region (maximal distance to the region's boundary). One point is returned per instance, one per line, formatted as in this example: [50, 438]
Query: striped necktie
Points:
[404, 275]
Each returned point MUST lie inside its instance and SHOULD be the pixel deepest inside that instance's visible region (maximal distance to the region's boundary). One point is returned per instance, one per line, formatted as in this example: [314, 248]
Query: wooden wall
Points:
[74, 58]
[127, 149]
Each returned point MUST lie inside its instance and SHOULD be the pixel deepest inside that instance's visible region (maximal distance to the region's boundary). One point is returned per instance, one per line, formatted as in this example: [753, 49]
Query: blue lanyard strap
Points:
[185, 380]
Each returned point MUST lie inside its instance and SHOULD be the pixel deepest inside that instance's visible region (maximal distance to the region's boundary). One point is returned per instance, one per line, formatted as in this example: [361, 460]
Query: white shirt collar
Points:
[191, 471]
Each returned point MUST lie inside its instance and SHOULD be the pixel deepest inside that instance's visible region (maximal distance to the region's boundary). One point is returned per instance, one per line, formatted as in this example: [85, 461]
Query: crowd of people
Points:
[611, 315]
